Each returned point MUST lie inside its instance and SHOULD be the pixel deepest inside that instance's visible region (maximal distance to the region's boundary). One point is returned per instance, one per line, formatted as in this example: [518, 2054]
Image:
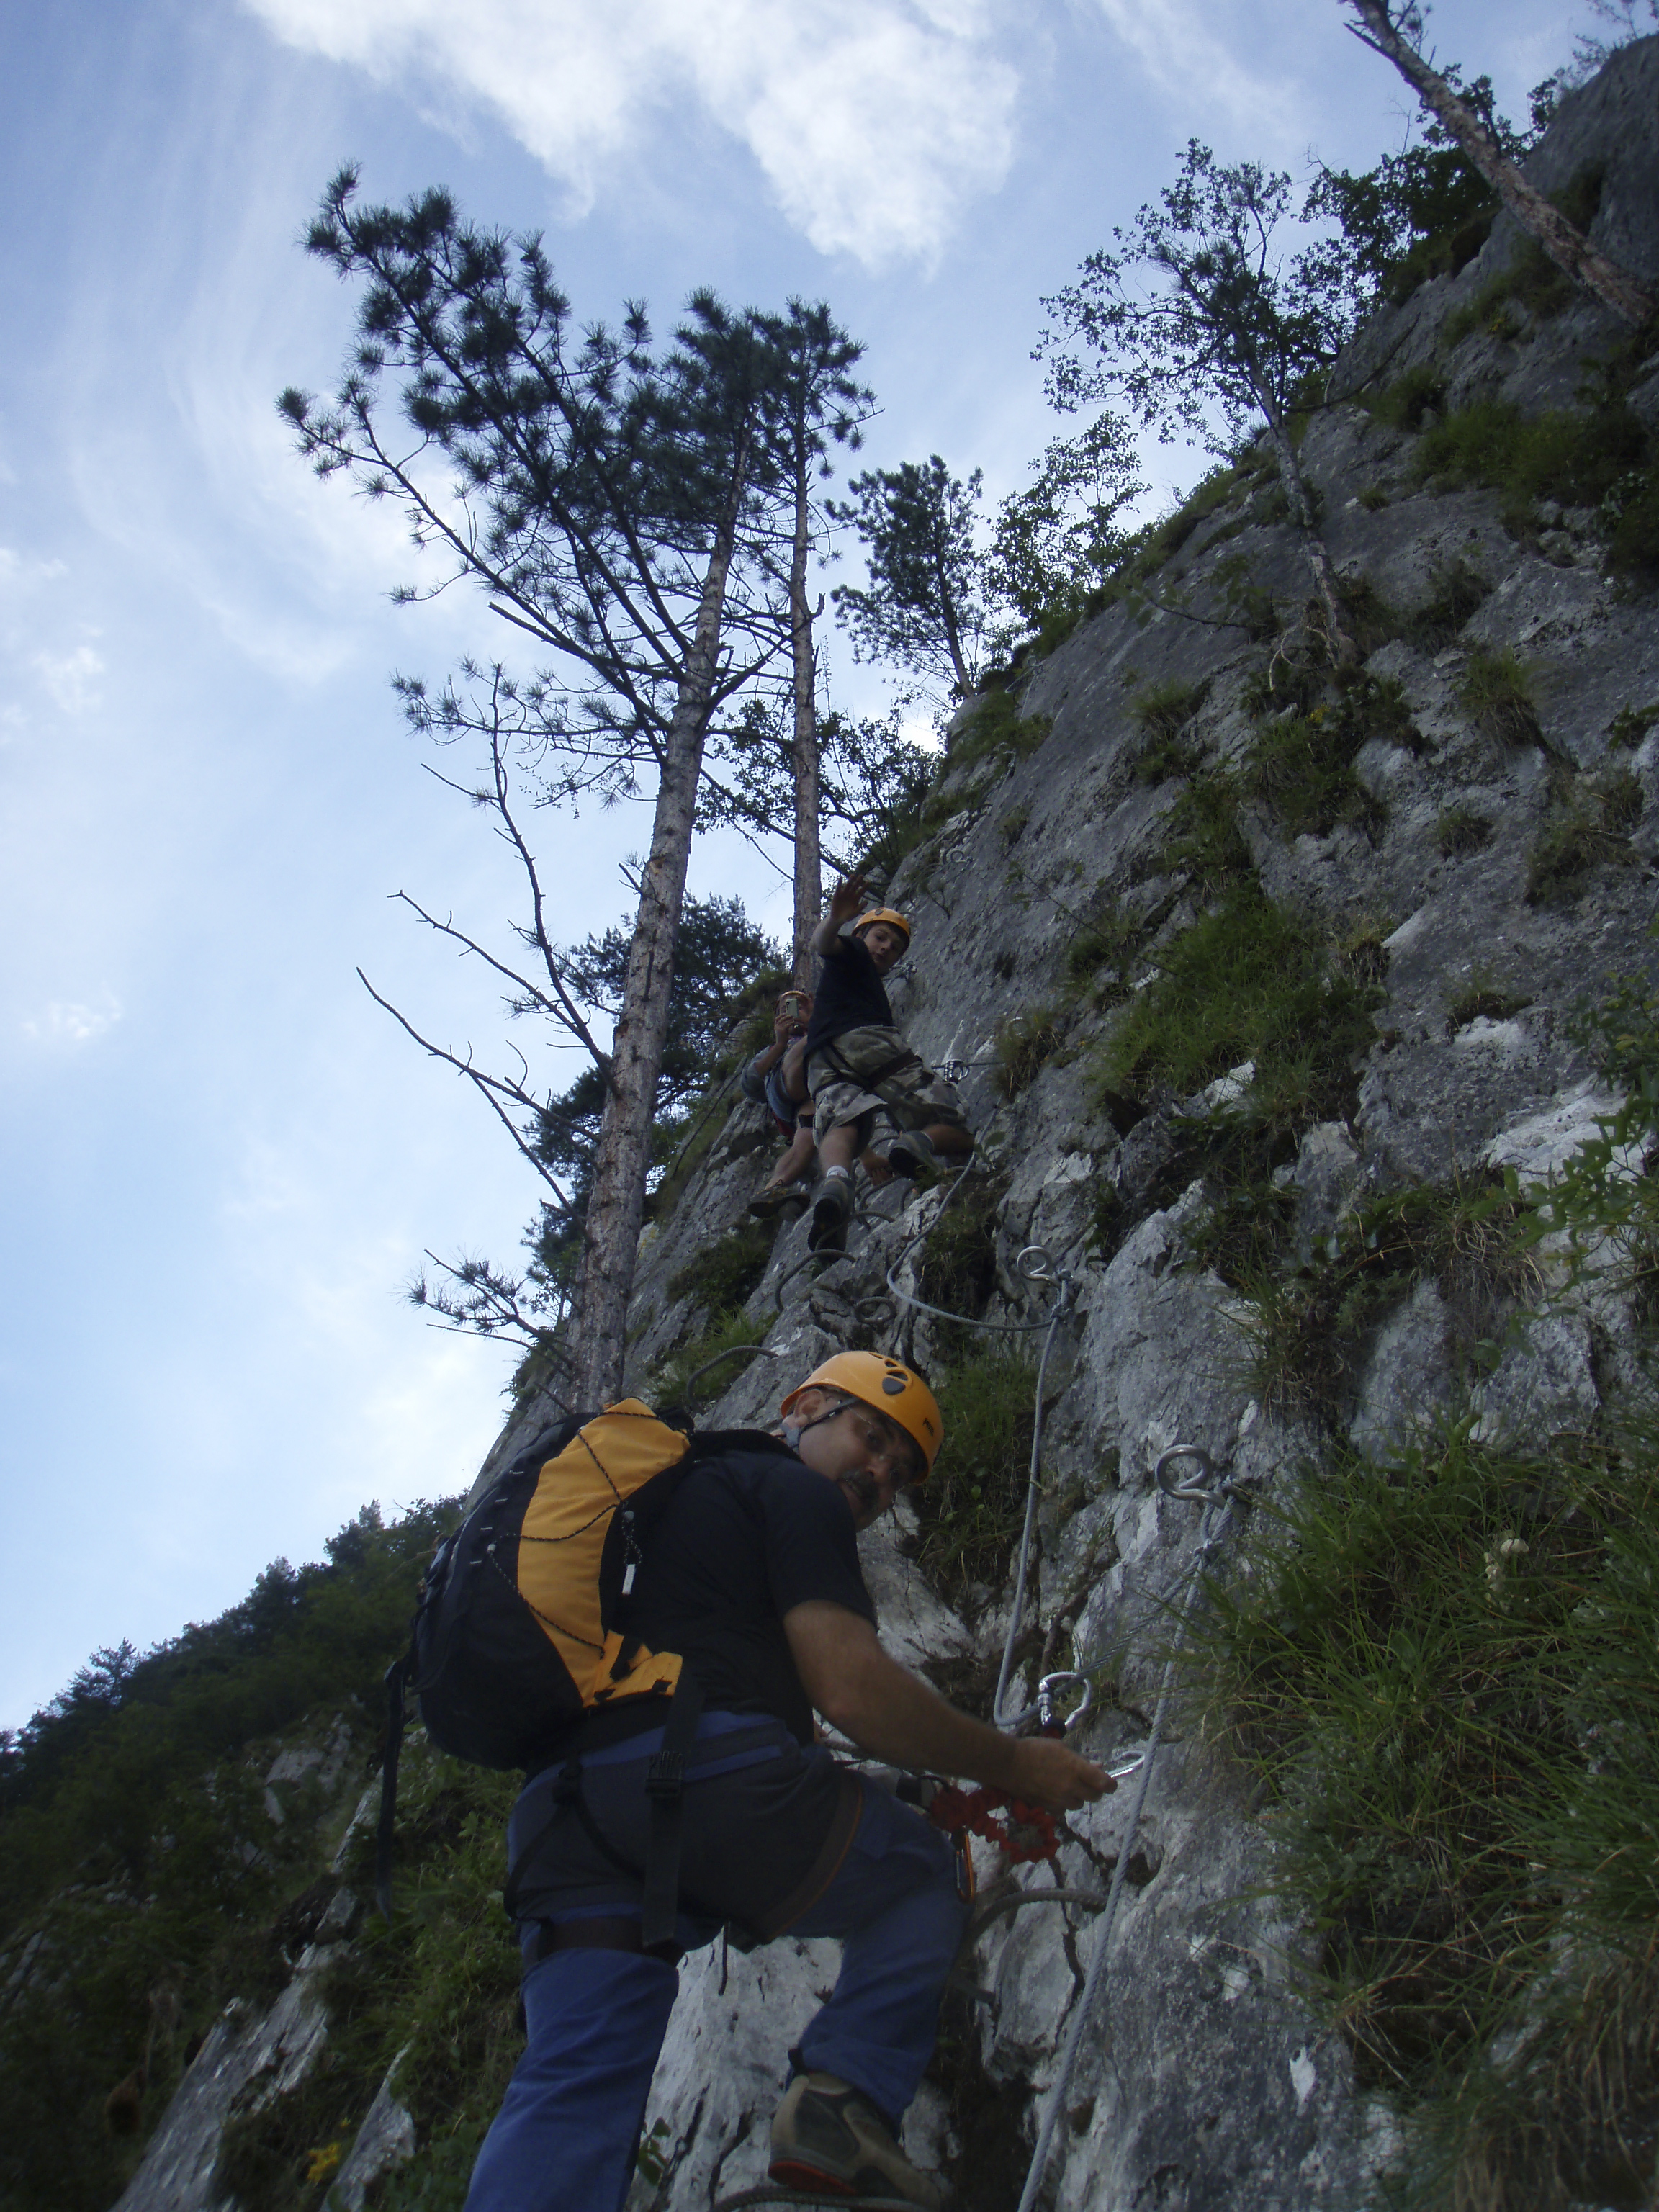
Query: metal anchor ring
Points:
[1171, 1485]
[1033, 1265]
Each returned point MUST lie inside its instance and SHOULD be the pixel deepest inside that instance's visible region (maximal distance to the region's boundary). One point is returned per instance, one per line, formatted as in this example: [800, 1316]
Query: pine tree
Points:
[602, 497]
[925, 606]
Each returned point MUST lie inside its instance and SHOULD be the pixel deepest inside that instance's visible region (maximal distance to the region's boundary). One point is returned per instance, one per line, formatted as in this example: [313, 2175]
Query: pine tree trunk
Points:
[809, 866]
[616, 1203]
[1344, 651]
[1568, 248]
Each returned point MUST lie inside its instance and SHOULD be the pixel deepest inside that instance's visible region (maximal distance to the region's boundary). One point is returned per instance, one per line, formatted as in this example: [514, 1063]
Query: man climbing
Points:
[858, 1066]
[752, 1576]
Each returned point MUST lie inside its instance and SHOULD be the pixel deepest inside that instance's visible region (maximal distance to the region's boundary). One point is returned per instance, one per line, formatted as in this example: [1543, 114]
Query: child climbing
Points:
[775, 1078]
[859, 1065]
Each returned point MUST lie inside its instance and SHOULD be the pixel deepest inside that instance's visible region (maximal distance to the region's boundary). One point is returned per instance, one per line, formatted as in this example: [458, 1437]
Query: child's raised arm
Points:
[848, 900]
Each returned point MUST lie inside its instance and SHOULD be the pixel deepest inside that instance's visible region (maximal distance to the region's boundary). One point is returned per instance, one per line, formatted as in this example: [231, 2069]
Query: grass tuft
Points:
[1497, 690]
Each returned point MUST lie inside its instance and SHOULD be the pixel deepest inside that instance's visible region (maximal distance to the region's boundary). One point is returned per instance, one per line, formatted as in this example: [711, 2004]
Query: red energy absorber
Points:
[1026, 1835]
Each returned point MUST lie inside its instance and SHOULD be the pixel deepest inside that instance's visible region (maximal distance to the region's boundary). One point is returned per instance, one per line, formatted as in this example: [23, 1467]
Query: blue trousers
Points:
[565, 2136]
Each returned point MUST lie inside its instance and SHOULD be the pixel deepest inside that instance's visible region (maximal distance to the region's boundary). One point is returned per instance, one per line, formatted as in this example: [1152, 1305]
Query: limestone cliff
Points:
[1456, 849]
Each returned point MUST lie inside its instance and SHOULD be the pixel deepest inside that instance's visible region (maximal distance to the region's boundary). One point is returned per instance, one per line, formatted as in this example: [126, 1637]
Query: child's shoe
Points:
[773, 1199]
[911, 1153]
[830, 1216]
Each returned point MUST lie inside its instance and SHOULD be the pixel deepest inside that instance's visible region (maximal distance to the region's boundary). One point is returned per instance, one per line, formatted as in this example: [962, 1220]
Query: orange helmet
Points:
[886, 913]
[877, 1379]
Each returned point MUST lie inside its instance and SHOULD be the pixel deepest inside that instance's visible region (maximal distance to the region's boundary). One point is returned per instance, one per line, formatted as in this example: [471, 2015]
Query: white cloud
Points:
[70, 679]
[71, 1022]
[1186, 49]
[874, 121]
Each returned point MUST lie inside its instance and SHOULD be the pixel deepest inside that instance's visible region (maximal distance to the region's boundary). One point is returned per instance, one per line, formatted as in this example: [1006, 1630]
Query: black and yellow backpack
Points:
[521, 1623]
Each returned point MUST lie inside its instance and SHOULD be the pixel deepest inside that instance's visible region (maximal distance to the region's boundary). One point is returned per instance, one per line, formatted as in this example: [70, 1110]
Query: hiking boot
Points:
[911, 1153]
[773, 1200]
[826, 2137]
[830, 1216]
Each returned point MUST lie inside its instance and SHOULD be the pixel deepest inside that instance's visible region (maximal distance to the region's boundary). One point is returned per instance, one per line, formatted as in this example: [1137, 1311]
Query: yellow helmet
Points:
[877, 1379]
[886, 913]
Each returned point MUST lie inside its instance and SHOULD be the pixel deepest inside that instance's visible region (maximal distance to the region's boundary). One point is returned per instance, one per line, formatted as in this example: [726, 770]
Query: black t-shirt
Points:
[850, 995]
[747, 1535]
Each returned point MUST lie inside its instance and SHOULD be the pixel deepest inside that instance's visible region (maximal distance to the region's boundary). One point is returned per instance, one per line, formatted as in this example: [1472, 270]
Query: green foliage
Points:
[959, 1259]
[1531, 286]
[1202, 841]
[1424, 212]
[1403, 403]
[681, 1381]
[1056, 541]
[1495, 688]
[927, 605]
[1459, 831]
[1412, 1661]
[1024, 1045]
[996, 725]
[723, 1275]
[136, 1845]
[1100, 956]
[1250, 980]
[1302, 765]
[1586, 829]
[1630, 725]
[1309, 1324]
[1445, 1669]
[971, 1508]
[1602, 457]
[1162, 713]
[1455, 592]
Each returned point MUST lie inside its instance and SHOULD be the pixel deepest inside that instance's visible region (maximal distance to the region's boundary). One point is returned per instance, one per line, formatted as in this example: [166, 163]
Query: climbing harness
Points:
[1218, 1498]
[774, 2193]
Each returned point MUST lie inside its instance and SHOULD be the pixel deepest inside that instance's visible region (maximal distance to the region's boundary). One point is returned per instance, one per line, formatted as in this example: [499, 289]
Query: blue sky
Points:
[220, 1160]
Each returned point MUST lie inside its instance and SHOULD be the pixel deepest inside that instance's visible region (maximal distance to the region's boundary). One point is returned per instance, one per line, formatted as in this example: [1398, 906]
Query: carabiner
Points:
[1048, 1724]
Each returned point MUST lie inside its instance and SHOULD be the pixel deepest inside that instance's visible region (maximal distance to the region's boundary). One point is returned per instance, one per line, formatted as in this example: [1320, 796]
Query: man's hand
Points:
[893, 1715]
[1049, 1774]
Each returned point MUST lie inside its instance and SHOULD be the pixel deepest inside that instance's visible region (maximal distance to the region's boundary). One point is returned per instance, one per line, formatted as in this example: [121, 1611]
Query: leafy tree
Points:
[926, 606]
[817, 401]
[1396, 29]
[604, 497]
[1057, 540]
[719, 956]
[1195, 316]
[1423, 212]
[870, 775]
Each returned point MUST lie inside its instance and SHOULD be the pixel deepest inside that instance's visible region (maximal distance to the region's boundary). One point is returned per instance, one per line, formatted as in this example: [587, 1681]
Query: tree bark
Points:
[809, 866]
[1568, 248]
[1343, 649]
[616, 1203]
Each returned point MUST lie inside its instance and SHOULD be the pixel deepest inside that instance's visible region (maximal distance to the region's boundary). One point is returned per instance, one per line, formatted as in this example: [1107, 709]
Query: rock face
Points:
[1204, 2082]
[1481, 859]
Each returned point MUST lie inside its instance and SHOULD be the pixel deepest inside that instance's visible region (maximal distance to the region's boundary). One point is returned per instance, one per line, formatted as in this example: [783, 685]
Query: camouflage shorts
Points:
[864, 1072]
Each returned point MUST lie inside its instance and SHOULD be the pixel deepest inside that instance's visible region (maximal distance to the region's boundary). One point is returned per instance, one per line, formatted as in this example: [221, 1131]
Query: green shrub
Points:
[1601, 457]
[1202, 840]
[1459, 831]
[1588, 829]
[1164, 710]
[1403, 405]
[959, 1259]
[1456, 591]
[700, 1371]
[971, 1508]
[1101, 956]
[1630, 725]
[1497, 690]
[1301, 766]
[1025, 1043]
[1249, 982]
[723, 1275]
